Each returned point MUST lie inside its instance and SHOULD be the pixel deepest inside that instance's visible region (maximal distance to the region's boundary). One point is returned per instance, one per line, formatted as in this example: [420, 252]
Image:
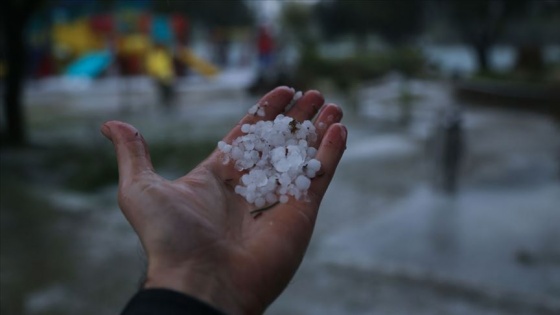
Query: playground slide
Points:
[198, 64]
[89, 65]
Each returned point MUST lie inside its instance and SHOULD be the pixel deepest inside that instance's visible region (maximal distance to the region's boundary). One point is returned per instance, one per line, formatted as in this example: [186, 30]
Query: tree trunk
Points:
[13, 28]
[529, 59]
[481, 51]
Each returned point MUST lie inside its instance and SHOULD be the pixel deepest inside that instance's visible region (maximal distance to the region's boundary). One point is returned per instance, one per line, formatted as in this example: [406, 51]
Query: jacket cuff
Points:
[167, 302]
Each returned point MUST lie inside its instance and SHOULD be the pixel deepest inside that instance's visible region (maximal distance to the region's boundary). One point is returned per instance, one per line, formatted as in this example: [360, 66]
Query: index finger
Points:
[268, 107]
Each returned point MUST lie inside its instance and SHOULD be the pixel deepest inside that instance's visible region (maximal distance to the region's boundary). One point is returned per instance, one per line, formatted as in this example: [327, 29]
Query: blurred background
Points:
[447, 200]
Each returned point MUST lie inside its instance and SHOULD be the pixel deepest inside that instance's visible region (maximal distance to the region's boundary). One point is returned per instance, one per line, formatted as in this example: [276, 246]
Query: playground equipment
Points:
[90, 65]
[196, 63]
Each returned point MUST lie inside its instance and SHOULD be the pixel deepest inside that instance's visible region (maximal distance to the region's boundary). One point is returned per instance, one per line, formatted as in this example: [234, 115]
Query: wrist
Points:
[204, 285]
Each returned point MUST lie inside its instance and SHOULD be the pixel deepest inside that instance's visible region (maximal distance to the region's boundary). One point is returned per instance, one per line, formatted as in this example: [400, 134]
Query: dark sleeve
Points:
[167, 302]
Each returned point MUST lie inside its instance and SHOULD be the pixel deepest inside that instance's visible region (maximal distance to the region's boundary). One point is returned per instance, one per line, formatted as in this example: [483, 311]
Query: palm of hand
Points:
[198, 234]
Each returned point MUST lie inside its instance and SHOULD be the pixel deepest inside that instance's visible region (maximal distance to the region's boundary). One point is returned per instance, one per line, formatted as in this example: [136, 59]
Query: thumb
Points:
[133, 157]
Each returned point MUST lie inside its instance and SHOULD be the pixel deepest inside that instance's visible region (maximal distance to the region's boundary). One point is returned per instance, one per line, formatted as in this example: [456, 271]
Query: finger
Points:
[330, 151]
[307, 106]
[133, 157]
[329, 114]
[273, 103]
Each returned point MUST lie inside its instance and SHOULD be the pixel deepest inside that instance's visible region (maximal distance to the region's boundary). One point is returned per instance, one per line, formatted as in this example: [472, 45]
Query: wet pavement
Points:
[386, 241]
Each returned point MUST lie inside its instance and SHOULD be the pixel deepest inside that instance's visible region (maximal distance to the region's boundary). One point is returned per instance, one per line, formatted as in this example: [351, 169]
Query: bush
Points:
[346, 72]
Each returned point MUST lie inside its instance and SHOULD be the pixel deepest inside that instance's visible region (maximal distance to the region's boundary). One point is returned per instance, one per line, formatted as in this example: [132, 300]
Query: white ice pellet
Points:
[245, 179]
[239, 190]
[251, 196]
[253, 110]
[260, 202]
[251, 187]
[276, 156]
[271, 198]
[249, 145]
[313, 164]
[291, 142]
[310, 173]
[295, 98]
[283, 199]
[296, 193]
[311, 152]
[308, 125]
[282, 165]
[236, 153]
[302, 182]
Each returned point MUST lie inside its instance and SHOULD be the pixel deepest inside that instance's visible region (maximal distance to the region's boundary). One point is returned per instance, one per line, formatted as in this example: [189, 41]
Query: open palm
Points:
[200, 237]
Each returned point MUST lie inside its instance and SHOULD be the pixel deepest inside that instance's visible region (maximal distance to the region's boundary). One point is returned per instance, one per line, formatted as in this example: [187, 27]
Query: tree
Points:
[15, 16]
[218, 13]
[530, 32]
[296, 20]
[395, 21]
[480, 23]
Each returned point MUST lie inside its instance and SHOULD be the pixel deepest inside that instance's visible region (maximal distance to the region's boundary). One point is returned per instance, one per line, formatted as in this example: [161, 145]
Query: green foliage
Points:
[518, 77]
[296, 20]
[346, 72]
[483, 23]
[295, 15]
[482, 20]
[218, 13]
[394, 21]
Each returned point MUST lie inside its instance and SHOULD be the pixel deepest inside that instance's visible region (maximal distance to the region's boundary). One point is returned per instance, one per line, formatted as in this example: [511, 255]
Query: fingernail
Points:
[106, 131]
[343, 132]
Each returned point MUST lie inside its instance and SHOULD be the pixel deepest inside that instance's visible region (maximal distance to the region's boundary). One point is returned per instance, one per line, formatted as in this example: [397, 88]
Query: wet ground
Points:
[386, 241]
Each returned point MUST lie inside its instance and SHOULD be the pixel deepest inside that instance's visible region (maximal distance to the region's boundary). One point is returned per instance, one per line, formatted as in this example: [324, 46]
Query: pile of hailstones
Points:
[277, 157]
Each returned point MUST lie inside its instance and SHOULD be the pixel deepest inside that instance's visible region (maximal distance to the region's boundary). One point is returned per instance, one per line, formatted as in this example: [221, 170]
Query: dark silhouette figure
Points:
[447, 146]
[452, 150]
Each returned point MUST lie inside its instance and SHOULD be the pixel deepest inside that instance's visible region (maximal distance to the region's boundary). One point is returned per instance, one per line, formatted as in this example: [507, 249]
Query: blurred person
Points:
[265, 43]
[160, 66]
[221, 44]
[206, 253]
[266, 72]
[451, 149]
[180, 27]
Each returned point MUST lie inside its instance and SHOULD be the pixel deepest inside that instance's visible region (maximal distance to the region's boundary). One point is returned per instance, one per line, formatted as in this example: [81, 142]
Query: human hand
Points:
[198, 234]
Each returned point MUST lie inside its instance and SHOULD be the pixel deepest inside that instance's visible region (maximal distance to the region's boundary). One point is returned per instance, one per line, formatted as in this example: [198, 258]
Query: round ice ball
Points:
[276, 157]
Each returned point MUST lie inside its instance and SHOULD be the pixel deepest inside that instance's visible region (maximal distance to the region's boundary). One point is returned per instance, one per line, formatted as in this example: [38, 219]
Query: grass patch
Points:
[546, 77]
[88, 168]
